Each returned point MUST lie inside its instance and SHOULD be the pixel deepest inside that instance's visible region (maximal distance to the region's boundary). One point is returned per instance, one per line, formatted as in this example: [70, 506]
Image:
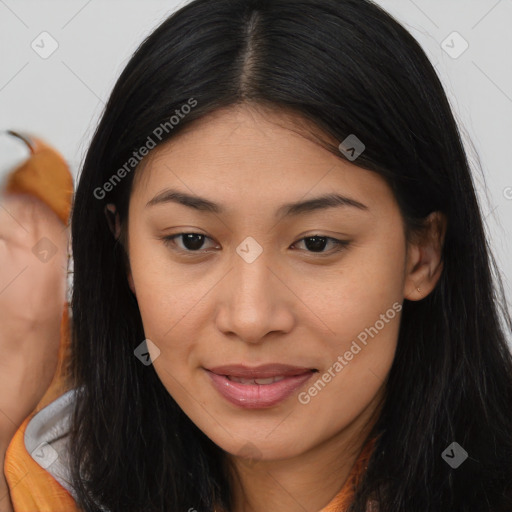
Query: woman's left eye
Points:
[192, 242]
[318, 242]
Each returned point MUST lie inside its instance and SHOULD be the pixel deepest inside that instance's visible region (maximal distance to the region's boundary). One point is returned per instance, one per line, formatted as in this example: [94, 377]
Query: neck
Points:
[309, 481]
[290, 485]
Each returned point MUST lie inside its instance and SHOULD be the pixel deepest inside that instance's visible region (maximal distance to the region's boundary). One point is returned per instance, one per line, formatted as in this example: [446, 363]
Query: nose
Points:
[256, 303]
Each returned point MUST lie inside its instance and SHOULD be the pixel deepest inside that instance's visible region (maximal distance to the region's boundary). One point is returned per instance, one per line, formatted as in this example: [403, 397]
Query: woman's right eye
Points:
[191, 242]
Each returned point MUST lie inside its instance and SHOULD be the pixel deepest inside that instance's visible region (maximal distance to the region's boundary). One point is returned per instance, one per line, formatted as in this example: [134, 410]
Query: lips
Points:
[260, 386]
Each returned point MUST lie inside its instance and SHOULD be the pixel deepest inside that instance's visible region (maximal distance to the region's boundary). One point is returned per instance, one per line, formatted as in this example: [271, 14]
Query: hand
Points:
[33, 279]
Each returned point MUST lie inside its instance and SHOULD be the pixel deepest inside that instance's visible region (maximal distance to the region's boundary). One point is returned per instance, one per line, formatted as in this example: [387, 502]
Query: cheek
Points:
[165, 292]
[367, 283]
[164, 318]
[362, 310]
[358, 357]
[170, 301]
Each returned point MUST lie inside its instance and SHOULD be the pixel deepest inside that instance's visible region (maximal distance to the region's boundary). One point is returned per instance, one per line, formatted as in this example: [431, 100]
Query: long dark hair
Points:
[348, 68]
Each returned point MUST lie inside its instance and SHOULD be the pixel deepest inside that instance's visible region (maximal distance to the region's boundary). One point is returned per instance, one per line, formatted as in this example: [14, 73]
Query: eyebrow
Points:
[286, 210]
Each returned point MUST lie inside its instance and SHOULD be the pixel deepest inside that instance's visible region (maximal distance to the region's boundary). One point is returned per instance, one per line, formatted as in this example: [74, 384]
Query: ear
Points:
[115, 227]
[113, 219]
[130, 282]
[424, 263]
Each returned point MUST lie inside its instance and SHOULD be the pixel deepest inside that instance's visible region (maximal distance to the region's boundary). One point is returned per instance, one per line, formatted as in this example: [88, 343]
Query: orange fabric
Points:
[44, 175]
[32, 488]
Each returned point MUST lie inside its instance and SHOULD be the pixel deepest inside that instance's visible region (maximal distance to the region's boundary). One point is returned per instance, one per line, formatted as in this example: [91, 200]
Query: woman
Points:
[283, 295]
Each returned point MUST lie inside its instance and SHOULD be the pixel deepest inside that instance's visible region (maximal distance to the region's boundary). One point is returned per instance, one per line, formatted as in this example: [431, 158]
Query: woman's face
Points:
[254, 287]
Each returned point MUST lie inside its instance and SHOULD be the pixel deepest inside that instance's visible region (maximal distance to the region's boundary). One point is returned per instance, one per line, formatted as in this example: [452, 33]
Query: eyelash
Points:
[340, 244]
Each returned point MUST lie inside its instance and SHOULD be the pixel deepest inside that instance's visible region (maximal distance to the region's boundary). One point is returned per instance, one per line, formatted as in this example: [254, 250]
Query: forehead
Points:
[245, 152]
[239, 134]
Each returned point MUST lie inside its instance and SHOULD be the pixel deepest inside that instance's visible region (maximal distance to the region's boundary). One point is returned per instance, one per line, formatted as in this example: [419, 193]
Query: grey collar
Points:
[46, 438]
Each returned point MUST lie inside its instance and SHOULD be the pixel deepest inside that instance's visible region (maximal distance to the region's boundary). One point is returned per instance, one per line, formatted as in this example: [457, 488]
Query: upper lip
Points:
[260, 372]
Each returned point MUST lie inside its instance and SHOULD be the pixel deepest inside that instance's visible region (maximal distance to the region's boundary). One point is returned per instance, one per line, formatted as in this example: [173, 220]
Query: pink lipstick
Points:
[259, 386]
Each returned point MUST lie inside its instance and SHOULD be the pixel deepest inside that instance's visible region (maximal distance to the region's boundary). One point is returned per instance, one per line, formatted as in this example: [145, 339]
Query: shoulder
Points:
[36, 464]
[46, 440]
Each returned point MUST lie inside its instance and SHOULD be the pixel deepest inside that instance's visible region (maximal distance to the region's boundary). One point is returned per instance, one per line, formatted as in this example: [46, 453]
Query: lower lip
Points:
[257, 396]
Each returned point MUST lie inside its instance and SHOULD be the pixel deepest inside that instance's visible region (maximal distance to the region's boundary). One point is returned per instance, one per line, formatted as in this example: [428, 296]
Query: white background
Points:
[61, 97]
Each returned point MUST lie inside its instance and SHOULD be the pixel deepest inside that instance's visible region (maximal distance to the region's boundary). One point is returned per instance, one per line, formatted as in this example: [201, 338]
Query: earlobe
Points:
[424, 263]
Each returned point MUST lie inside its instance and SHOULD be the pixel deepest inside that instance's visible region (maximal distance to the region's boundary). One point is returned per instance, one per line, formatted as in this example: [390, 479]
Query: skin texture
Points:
[32, 294]
[291, 305]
